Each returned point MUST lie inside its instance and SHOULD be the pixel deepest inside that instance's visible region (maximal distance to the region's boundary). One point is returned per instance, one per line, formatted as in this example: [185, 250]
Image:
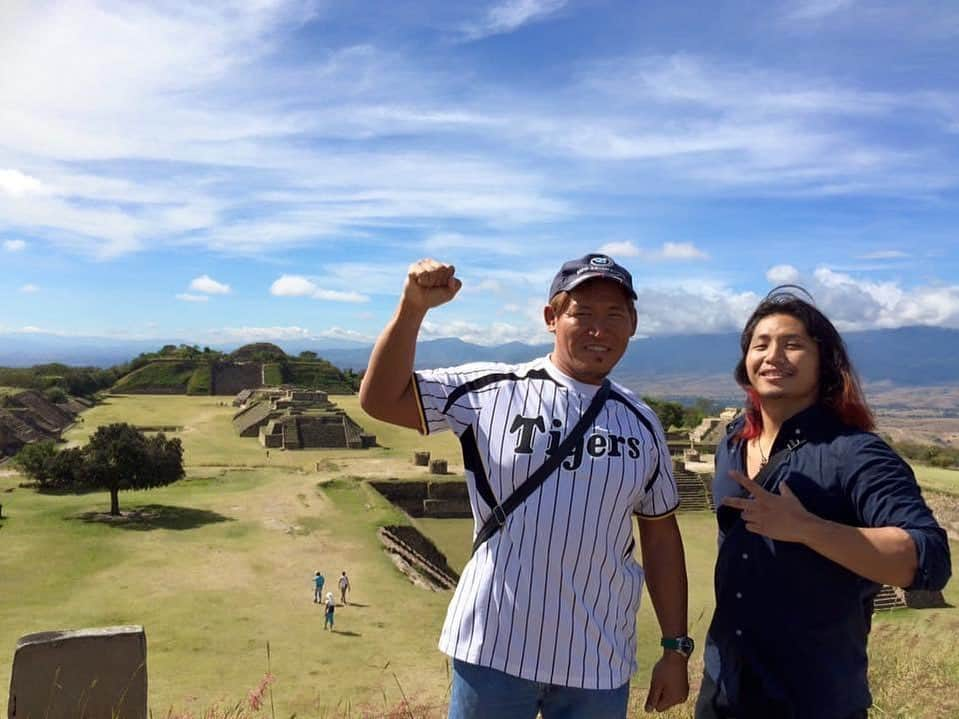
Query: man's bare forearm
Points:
[664, 563]
[386, 392]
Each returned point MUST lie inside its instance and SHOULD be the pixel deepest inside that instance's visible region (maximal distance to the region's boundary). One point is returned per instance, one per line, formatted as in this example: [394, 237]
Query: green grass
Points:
[318, 373]
[937, 478]
[273, 374]
[174, 375]
[201, 380]
[221, 563]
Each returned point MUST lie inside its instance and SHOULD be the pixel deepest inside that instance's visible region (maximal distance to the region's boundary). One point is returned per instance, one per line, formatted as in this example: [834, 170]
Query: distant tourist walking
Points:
[318, 582]
[544, 615]
[344, 587]
[330, 608]
[815, 514]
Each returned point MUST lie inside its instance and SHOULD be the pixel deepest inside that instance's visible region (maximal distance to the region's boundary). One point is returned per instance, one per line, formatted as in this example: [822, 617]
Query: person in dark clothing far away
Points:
[815, 514]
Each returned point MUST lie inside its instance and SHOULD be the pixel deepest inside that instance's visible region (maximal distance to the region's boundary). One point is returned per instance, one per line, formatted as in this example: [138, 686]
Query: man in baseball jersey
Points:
[544, 615]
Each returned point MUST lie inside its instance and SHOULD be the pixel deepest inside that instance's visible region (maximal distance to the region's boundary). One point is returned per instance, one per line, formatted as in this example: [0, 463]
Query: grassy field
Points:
[216, 566]
[938, 479]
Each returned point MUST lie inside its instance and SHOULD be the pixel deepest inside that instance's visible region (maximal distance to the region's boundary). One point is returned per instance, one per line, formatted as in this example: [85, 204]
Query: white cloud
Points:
[694, 309]
[29, 289]
[682, 251]
[257, 334]
[493, 333]
[669, 251]
[14, 245]
[884, 255]
[782, 275]
[31, 329]
[339, 333]
[620, 249]
[18, 184]
[856, 304]
[446, 241]
[339, 296]
[206, 284]
[298, 286]
[292, 286]
[486, 285]
[807, 10]
[187, 297]
[509, 15]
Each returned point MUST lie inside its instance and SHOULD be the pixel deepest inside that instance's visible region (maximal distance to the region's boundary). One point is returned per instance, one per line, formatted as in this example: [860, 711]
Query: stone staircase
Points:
[694, 491]
[434, 568]
[703, 428]
[322, 434]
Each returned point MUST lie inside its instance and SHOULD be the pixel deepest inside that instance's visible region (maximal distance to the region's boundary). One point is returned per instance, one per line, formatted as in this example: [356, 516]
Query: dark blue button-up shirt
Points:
[788, 637]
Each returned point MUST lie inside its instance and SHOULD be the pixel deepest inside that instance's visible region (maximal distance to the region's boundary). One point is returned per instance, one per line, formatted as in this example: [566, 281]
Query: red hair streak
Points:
[849, 406]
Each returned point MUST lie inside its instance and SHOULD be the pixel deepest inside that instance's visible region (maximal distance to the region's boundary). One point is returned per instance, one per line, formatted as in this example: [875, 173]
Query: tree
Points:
[119, 456]
[34, 460]
[670, 413]
[308, 355]
[67, 469]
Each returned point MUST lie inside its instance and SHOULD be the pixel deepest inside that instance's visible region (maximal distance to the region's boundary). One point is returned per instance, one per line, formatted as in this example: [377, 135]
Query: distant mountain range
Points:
[681, 364]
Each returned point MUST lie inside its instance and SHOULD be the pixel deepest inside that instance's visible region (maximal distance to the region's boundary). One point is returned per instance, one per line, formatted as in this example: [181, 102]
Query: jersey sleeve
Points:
[444, 400]
[660, 497]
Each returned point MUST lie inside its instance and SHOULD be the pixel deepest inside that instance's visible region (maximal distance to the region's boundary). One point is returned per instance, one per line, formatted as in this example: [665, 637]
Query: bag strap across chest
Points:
[502, 510]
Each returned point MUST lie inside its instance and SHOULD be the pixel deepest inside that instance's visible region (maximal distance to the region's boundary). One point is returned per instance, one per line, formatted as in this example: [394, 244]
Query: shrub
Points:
[56, 395]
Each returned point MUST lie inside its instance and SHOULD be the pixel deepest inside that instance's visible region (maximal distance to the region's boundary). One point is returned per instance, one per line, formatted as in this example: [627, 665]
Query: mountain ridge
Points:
[906, 356]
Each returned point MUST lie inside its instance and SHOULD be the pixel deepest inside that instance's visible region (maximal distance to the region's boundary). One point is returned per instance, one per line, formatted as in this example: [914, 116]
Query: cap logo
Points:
[599, 260]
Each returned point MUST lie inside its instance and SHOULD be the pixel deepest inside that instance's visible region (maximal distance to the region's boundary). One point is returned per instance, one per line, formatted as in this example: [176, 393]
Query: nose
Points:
[776, 353]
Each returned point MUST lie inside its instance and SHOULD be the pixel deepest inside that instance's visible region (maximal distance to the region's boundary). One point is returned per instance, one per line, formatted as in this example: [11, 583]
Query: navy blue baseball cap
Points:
[590, 267]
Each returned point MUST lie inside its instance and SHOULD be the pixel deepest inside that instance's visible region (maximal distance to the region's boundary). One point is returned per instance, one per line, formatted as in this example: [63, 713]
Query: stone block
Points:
[80, 673]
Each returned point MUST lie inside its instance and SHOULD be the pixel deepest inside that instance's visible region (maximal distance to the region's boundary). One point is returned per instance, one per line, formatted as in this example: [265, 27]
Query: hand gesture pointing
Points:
[429, 284]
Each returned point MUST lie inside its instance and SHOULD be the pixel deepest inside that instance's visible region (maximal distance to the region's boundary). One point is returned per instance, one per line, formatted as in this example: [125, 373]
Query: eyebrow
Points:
[792, 336]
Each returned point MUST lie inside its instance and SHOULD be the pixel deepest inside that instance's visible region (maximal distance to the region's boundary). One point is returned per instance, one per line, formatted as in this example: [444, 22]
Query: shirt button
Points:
[745, 555]
[739, 632]
[739, 595]
[797, 430]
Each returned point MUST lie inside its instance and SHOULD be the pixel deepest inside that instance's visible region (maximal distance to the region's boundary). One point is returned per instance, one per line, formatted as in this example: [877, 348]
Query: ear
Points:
[550, 318]
[635, 316]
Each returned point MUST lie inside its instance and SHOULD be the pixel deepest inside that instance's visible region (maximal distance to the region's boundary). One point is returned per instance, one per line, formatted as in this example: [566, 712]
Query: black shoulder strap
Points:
[536, 479]
[762, 479]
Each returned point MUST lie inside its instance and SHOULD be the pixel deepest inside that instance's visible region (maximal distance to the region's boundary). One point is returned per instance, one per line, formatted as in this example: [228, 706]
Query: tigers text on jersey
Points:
[552, 597]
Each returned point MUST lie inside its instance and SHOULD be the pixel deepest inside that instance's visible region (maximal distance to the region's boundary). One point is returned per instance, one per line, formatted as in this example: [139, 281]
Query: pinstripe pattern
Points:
[553, 596]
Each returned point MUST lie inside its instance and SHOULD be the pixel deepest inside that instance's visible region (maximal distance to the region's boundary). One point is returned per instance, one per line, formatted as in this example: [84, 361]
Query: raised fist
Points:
[430, 283]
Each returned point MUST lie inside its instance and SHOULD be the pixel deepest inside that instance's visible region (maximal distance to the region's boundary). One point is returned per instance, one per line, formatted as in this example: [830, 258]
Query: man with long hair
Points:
[815, 513]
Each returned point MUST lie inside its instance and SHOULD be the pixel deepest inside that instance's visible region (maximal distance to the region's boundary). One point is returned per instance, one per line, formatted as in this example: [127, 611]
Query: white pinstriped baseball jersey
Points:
[552, 597]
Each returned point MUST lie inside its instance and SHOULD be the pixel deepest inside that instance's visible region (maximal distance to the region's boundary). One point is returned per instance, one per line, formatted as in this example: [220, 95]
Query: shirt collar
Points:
[813, 423]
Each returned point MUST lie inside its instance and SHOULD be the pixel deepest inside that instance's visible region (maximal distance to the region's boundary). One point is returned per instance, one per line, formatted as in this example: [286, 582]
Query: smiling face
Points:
[782, 362]
[593, 330]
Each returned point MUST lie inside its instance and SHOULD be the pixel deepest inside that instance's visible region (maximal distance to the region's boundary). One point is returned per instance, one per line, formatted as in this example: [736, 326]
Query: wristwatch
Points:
[681, 645]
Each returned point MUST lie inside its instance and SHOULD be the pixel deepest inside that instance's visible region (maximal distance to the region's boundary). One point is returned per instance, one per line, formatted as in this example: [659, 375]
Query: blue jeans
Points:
[483, 693]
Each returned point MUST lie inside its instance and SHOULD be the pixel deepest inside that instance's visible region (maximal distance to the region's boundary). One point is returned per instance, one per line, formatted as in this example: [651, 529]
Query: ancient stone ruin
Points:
[30, 417]
[296, 418]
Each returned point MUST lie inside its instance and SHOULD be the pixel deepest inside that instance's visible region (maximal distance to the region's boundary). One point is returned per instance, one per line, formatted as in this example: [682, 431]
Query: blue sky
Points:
[267, 169]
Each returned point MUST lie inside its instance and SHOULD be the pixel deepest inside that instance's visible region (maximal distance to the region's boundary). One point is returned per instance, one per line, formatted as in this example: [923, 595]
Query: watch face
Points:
[683, 645]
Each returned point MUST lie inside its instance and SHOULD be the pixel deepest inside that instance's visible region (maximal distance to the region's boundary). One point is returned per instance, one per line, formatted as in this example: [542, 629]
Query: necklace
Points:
[762, 455]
